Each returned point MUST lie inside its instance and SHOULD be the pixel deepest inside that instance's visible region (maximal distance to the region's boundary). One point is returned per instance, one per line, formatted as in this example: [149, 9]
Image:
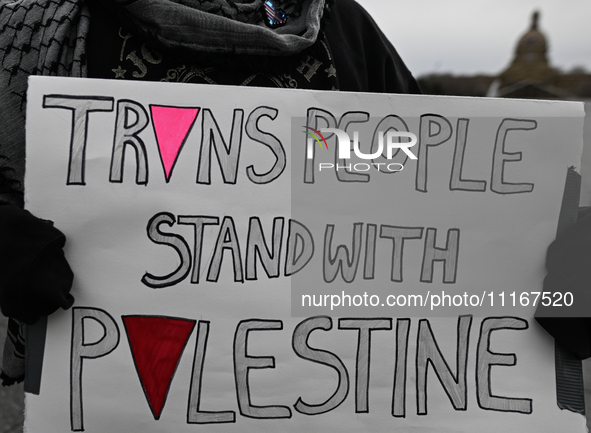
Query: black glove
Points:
[35, 278]
[568, 262]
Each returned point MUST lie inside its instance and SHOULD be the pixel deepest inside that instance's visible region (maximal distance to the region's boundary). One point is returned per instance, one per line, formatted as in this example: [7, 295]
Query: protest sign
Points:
[236, 272]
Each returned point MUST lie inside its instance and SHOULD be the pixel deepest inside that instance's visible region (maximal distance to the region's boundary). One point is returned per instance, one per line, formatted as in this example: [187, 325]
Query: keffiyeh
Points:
[226, 26]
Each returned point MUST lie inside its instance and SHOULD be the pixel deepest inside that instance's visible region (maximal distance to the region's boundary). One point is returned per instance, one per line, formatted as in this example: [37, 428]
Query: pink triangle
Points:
[171, 126]
[157, 344]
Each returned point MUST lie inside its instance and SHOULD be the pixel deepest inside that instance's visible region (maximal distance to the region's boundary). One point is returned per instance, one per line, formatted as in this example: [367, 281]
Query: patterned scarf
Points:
[13, 359]
[245, 11]
[203, 25]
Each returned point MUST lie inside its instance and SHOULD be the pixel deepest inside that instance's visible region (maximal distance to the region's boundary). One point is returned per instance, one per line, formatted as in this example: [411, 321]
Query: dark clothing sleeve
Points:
[568, 268]
[364, 58]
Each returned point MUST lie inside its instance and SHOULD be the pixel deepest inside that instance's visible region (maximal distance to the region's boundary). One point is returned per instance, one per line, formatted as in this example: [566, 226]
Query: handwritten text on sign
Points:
[199, 220]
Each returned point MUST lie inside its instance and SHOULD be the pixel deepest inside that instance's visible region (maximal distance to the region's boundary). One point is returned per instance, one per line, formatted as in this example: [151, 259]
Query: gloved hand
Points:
[35, 278]
[568, 262]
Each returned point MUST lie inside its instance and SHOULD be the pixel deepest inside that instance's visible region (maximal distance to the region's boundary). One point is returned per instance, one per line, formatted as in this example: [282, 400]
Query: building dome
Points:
[530, 61]
[532, 46]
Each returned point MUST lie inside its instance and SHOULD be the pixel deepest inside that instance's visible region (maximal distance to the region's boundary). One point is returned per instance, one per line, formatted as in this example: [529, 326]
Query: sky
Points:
[479, 36]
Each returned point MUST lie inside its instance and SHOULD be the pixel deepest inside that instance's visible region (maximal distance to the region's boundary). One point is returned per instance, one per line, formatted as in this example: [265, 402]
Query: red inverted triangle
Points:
[157, 344]
[171, 126]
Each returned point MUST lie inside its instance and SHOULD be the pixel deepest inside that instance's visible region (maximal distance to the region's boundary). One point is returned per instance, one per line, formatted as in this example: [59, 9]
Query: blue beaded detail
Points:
[274, 17]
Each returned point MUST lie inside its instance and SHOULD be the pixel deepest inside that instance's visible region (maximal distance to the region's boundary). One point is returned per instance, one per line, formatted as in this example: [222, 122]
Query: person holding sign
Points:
[318, 44]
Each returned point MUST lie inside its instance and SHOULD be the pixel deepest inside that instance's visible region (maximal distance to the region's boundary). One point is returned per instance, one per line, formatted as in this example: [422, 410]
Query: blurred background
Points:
[538, 49]
[470, 38]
